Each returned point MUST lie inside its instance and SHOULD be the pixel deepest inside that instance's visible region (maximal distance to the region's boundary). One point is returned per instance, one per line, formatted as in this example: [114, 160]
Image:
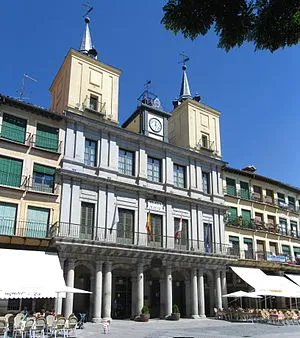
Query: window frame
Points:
[206, 182]
[178, 170]
[125, 170]
[87, 154]
[151, 167]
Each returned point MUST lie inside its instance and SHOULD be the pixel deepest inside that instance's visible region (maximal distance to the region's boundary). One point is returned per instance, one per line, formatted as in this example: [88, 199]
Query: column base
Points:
[202, 316]
[97, 320]
[195, 317]
[107, 319]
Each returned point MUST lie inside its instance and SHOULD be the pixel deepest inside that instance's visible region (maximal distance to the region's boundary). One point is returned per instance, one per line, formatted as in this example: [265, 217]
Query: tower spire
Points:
[185, 92]
[86, 46]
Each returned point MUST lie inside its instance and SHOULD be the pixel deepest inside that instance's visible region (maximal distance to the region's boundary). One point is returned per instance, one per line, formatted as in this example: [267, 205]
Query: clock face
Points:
[155, 125]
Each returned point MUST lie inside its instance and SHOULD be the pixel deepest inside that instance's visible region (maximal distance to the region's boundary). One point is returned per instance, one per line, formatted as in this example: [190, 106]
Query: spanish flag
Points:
[149, 226]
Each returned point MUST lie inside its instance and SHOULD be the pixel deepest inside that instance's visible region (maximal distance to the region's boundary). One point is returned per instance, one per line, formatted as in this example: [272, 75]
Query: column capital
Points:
[99, 265]
[71, 263]
[108, 264]
[200, 272]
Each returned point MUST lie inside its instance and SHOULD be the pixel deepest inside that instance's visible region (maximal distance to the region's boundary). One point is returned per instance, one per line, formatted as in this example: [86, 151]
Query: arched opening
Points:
[178, 292]
[153, 291]
[121, 297]
[82, 281]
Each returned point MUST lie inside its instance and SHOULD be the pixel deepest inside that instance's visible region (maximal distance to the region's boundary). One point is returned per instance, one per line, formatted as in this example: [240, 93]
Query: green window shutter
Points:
[230, 186]
[245, 190]
[13, 128]
[37, 222]
[39, 168]
[8, 214]
[233, 239]
[246, 216]
[10, 171]
[232, 214]
[285, 249]
[248, 240]
[46, 137]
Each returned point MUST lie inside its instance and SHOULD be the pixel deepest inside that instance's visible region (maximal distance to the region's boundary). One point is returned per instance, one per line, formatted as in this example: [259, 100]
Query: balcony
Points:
[93, 105]
[42, 184]
[241, 223]
[12, 227]
[141, 239]
[206, 145]
[12, 180]
[13, 134]
[46, 143]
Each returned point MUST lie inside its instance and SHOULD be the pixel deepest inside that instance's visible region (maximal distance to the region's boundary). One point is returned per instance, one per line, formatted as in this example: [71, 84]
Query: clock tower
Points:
[149, 118]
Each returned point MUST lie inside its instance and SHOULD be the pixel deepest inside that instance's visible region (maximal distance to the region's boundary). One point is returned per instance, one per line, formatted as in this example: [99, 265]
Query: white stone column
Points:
[201, 294]
[194, 293]
[224, 288]
[58, 304]
[140, 288]
[107, 291]
[218, 289]
[70, 282]
[168, 291]
[98, 292]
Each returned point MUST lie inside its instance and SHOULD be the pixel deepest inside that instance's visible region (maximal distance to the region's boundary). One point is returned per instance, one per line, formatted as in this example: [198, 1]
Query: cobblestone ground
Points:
[188, 328]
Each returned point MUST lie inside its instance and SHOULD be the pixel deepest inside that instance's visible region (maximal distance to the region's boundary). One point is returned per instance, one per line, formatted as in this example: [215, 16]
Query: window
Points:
[297, 254]
[246, 217]
[292, 203]
[232, 214]
[260, 250]
[258, 218]
[245, 190]
[234, 245]
[294, 229]
[181, 233]
[126, 162]
[286, 251]
[230, 186]
[248, 248]
[283, 226]
[204, 140]
[8, 215]
[281, 199]
[10, 171]
[271, 220]
[269, 196]
[90, 153]
[257, 193]
[125, 226]
[13, 128]
[156, 230]
[46, 137]
[273, 248]
[93, 102]
[43, 178]
[154, 169]
[207, 227]
[206, 182]
[37, 224]
[179, 175]
[87, 220]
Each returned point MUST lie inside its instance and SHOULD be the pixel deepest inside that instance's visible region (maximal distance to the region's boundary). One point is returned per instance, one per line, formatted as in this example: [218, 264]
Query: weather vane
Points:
[184, 57]
[89, 8]
[147, 85]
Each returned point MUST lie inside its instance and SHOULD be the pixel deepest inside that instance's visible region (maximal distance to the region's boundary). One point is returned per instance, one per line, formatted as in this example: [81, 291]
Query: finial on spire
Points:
[86, 46]
[185, 92]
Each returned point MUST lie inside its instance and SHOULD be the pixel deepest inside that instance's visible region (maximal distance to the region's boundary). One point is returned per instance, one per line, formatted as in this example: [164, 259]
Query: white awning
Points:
[267, 285]
[254, 277]
[31, 274]
[294, 278]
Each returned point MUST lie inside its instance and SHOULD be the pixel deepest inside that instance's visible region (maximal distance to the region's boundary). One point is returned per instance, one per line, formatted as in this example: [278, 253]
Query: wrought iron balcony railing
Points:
[12, 227]
[141, 239]
[12, 180]
[43, 184]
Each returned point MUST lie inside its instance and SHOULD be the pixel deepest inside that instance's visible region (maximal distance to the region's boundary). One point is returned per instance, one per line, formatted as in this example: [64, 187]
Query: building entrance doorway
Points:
[154, 298]
[121, 302]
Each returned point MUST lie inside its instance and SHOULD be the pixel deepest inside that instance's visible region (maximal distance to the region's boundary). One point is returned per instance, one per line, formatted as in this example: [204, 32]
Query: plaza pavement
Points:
[188, 328]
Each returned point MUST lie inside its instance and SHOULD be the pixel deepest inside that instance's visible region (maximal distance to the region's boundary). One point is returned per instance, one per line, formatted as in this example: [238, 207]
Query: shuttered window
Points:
[246, 216]
[10, 171]
[245, 190]
[232, 214]
[46, 137]
[230, 186]
[43, 178]
[8, 214]
[87, 220]
[125, 225]
[13, 128]
[37, 222]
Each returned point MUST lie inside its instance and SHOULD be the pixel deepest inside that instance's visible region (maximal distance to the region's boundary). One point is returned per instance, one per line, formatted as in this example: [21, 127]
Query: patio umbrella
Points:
[240, 294]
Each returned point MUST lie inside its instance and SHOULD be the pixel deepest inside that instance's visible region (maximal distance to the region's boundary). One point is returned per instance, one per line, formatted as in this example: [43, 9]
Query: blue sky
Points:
[257, 92]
